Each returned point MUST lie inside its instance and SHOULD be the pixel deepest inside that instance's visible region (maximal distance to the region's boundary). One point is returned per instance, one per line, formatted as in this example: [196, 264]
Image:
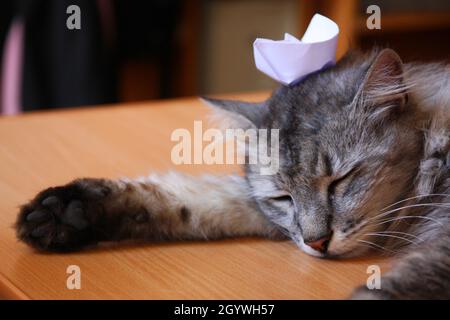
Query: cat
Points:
[364, 165]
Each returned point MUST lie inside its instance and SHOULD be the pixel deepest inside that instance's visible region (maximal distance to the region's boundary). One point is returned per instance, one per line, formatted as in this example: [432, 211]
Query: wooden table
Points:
[49, 148]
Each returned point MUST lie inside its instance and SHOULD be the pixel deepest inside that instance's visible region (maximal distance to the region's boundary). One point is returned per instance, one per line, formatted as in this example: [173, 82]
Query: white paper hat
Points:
[288, 61]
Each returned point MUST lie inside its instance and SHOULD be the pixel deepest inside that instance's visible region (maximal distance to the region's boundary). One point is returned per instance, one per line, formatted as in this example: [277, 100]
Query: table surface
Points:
[41, 149]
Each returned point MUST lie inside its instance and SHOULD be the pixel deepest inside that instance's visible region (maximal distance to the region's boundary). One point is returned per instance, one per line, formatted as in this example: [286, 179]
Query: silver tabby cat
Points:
[364, 164]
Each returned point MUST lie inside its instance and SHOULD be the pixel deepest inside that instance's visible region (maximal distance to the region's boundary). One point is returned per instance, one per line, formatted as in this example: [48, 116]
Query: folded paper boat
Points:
[290, 60]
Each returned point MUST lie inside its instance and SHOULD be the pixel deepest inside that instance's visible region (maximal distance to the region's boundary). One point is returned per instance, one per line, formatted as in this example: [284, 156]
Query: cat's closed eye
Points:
[335, 183]
[282, 199]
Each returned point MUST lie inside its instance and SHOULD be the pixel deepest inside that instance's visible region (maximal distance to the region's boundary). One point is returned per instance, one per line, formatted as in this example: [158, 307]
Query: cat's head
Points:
[348, 149]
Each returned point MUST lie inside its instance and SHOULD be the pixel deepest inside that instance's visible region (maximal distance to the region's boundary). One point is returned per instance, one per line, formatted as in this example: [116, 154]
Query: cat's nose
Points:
[321, 244]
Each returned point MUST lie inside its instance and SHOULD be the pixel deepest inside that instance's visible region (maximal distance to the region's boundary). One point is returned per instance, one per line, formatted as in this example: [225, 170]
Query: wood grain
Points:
[42, 149]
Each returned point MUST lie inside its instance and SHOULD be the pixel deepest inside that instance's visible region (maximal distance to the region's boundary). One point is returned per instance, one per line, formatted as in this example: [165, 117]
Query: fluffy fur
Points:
[364, 163]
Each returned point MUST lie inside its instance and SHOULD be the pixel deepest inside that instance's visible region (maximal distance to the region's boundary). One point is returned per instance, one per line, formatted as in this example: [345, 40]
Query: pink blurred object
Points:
[12, 68]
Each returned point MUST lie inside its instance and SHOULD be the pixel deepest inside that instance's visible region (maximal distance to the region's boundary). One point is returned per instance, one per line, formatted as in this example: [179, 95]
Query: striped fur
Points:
[364, 156]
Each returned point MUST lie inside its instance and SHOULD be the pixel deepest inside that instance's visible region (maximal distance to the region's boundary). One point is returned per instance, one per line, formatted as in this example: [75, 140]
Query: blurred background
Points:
[131, 50]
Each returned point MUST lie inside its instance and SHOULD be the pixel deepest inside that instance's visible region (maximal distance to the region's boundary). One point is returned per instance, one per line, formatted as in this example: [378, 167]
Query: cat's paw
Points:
[62, 218]
[364, 293]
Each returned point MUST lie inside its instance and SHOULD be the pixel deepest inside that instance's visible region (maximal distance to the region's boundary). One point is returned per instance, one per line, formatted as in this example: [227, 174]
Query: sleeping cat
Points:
[364, 164]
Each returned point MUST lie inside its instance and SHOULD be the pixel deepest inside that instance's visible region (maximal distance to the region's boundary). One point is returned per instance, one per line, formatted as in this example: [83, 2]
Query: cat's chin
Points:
[308, 250]
[312, 252]
[336, 250]
[331, 254]
[348, 253]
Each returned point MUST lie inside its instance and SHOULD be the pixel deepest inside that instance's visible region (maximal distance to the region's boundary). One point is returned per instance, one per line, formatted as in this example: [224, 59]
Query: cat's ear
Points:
[237, 114]
[383, 86]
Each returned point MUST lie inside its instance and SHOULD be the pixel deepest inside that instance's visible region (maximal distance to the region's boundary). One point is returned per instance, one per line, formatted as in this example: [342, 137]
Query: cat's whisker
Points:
[391, 236]
[410, 217]
[402, 233]
[416, 197]
[383, 214]
[374, 245]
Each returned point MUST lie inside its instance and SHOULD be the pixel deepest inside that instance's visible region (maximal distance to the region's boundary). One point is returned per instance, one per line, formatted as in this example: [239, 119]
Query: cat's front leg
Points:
[87, 211]
[78, 214]
[424, 273]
